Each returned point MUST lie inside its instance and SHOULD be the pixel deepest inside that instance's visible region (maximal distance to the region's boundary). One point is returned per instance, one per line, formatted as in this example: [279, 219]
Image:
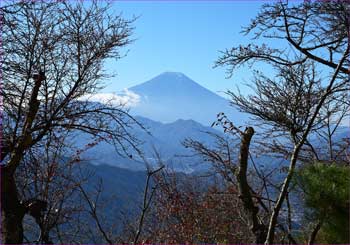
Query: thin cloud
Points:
[126, 98]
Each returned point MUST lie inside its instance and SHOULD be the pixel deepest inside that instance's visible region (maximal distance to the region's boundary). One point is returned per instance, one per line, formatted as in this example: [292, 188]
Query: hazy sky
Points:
[183, 37]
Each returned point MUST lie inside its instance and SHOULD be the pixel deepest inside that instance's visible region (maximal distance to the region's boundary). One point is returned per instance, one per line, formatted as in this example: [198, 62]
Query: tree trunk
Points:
[12, 211]
[314, 233]
[273, 219]
[258, 229]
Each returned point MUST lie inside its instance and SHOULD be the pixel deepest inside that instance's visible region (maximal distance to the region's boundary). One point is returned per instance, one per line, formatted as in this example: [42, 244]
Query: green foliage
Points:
[327, 194]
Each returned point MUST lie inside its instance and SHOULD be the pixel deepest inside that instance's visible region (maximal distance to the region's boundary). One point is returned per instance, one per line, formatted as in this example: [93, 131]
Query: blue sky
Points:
[183, 37]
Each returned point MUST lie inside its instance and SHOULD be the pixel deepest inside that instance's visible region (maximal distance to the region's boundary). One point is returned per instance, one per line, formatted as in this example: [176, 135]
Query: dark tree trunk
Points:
[12, 211]
[314, 233]
[258, 229]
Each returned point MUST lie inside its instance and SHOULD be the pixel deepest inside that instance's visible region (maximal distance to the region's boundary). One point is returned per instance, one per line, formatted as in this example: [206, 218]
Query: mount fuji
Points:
[171, 96]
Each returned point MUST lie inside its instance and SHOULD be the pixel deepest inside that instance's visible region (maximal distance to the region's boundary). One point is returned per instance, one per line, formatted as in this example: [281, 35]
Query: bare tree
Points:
[196, 209]
[230, 158]
[294, 110]
[93, 210]
[53, 175]
[317, 31]
[317, 36]
[52, 54]
[47, 174]
[148, 195]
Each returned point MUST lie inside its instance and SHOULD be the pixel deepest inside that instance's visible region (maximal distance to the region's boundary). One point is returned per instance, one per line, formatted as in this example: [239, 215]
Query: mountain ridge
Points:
[164, 139]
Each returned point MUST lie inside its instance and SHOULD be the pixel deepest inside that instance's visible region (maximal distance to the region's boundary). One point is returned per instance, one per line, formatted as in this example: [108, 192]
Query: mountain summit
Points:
[169, 84]
[172, 95]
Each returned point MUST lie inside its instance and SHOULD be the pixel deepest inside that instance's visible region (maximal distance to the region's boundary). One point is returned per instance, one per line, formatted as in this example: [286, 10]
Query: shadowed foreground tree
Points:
[52, 54]
[316, 33]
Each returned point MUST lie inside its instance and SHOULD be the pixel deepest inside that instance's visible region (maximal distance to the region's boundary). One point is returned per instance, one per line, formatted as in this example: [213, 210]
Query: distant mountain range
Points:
[164, 139]
[172, 95]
